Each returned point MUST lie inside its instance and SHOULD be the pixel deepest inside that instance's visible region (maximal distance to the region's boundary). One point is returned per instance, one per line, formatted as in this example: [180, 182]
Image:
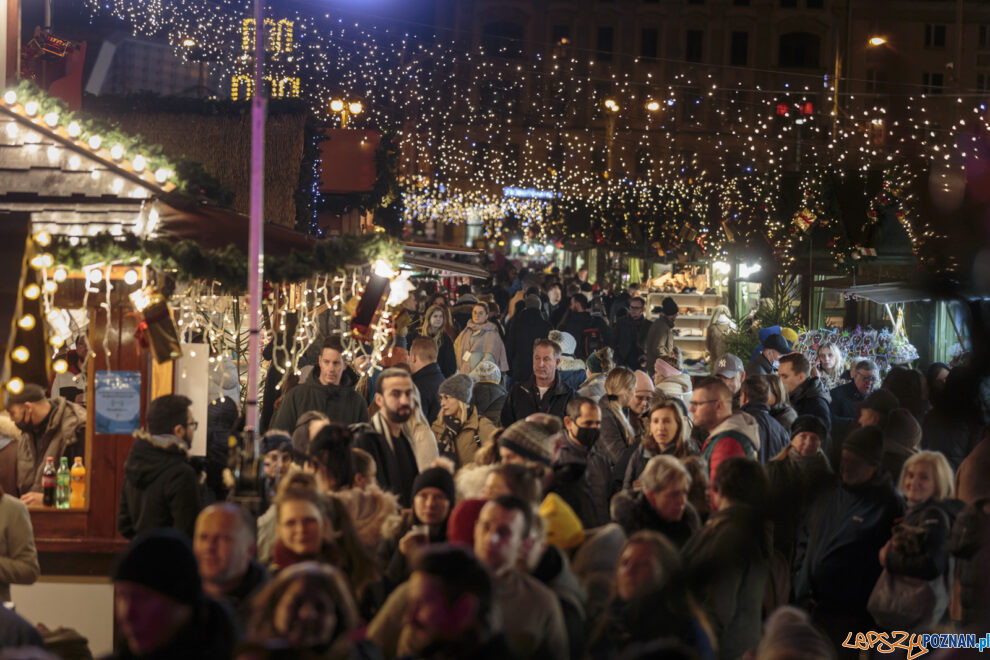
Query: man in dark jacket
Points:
[629, 337]
[426, 375]
[753, 399]
[582, 474]
[161, 488]
[383, 438]
[525, 328]
[774, 346]
[323, 392]
[838, 550]
[160, 606]
[727, 563]
[543, 392]
[660, 337]
[590, 332]
[224, 547]
[806, 394]
[846, 396]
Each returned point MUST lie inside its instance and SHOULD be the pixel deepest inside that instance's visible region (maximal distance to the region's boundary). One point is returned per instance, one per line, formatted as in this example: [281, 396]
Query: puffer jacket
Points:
[593, 388]
[64, 435]
[678, 385]
[811, 398]
[728, 439]
[477, 343]
[341, 404]
[475, 431]
[773, 436]
[160, 486]
[838, 548]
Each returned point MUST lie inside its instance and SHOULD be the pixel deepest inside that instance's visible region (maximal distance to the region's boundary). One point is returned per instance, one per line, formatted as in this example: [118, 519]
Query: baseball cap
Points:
[729, 366]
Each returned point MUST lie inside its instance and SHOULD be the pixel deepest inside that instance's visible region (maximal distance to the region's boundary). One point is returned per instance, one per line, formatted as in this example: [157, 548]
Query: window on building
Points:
[983, 81]
[934, 35]
[694, 41]
[787, 4]
[932, 83]
[800, 50]
[503, 38]
[649, 42]
[605, 44]
[984, 37]
[739, 49]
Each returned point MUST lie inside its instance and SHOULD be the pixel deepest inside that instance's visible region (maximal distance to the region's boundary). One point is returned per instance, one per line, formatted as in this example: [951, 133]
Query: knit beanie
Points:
[275, 440]
[460, 524]
[564, 528]
[594, 363]
[565, 340]
[902, 432]
[532, 301]
[809, 424]
[531, 439]
[669, 307]
[458, 386]
[435, 477]
[643, 382]
[777, 343]
[162, 560]
[867, 443]
[666, 369]
[486, 371]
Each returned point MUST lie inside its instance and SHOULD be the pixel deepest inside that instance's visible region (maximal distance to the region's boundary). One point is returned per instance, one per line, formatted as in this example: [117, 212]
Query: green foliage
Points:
[228, 266]
[776, 308]
[741, 344]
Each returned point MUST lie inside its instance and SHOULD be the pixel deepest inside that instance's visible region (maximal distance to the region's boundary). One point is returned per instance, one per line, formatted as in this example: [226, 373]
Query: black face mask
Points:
[586, 436]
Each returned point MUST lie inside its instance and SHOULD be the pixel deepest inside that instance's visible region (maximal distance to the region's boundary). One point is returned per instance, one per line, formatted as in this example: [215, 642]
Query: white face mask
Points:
[776, 365]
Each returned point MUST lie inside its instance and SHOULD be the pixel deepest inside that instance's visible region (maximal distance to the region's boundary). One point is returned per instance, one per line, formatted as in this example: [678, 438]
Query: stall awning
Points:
[445, 259]
[890, 293]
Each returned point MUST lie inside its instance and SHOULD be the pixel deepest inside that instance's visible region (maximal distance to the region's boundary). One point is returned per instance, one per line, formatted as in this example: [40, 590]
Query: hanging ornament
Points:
[804, 219]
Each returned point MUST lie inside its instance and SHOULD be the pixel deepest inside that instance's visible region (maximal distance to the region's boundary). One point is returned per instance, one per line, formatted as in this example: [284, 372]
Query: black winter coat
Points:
[489, 399]
[584, 482]
[795, 484]
[773, 436]
[845, 397]
[428, 381]
[524, 400]
[526, 327]
[633, 512]
[629, 340]
[209, 634]
[838, 548]
[396, 463]
[576, 323]
[811, 398]
[932, 560]
[160, 487]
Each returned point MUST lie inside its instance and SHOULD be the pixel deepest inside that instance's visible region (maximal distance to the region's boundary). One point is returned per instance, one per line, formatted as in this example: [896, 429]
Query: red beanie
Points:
[460, 525]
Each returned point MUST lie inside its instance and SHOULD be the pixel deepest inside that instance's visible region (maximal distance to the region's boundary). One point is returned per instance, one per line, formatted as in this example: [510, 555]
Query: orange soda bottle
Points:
[77, 498]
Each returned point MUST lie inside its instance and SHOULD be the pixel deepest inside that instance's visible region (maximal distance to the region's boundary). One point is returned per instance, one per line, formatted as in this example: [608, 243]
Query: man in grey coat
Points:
[660, 338]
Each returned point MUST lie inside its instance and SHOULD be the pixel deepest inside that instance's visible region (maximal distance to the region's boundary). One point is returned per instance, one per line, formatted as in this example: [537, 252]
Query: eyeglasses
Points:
[697, 404]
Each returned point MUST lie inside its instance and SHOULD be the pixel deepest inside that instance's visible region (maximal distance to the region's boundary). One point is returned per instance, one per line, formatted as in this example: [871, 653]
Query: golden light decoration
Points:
[32, 291]
[43, 238]
[15, 385]
[26, 322]
[60, 274]
[60, 366]
[50, 286]
[337, 105]
[20, 354]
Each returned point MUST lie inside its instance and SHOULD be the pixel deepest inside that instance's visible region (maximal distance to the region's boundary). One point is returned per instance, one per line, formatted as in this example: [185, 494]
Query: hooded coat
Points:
[773, 436]
[572, 371]
[341, 404]
[64, 434]
[737, 435]
[160, 486]
[526, 327]
[477, 343]
[18, 557]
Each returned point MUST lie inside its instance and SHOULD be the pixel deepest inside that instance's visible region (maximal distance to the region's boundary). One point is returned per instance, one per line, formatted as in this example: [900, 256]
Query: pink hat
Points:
[665, 369]
[643, 381]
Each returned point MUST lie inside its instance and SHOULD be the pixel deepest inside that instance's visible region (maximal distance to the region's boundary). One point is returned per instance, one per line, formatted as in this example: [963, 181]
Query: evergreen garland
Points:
[228, 267]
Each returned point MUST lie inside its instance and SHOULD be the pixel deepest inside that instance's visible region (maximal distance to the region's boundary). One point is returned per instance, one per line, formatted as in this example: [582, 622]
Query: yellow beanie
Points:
[789, 334]
[564, 528]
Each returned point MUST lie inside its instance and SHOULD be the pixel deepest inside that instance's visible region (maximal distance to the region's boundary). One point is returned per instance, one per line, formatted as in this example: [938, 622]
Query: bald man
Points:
[224, 545]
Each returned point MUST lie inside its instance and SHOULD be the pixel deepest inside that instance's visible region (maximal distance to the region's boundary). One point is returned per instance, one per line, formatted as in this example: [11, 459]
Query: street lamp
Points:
[346, 109]
[877, 40]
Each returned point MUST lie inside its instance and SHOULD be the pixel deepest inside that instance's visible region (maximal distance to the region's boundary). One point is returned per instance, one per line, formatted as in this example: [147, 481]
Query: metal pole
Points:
[256, 248]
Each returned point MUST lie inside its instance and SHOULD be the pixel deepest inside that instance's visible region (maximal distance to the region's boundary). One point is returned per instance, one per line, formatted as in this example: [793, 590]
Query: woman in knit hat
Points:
[459, 429]
[572, 371]
[487, 393]
[598, 365]
[426, 523]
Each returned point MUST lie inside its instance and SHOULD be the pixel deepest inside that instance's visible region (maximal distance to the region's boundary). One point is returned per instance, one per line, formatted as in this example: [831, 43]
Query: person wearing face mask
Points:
[53, 427]
[161, 488]
[581, 471]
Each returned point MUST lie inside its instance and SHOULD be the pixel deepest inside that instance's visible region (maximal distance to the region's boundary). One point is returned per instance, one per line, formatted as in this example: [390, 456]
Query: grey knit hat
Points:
[532, 439]
[458, 386]
[486, 371]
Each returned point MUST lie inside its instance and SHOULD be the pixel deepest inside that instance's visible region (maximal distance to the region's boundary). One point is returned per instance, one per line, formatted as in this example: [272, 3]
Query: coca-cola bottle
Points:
[48, 481]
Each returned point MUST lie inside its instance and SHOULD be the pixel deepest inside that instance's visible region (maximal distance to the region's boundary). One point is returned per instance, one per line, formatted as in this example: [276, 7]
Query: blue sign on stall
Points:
[118, 401]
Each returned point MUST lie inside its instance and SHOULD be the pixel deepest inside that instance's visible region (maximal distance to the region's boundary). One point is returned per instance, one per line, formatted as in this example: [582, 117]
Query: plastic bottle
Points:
[48, 481]
[62, 479]
[77, 499]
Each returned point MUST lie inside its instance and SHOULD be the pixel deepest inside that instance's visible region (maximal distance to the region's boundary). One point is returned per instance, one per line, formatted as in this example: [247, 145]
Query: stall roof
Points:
[446, 266]
[888, 293]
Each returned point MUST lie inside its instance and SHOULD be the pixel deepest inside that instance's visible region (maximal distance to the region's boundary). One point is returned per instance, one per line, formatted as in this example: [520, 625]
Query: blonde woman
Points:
[459, 429]
[918, 547]
[616, 433]
[830, 365]
[438, 325]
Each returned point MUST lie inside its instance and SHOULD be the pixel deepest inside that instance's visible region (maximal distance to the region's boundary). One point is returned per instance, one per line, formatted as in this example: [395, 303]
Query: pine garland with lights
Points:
[228, 267]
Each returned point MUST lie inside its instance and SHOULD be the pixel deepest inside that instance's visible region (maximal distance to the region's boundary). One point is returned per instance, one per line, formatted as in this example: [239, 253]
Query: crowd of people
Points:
[531, 473]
